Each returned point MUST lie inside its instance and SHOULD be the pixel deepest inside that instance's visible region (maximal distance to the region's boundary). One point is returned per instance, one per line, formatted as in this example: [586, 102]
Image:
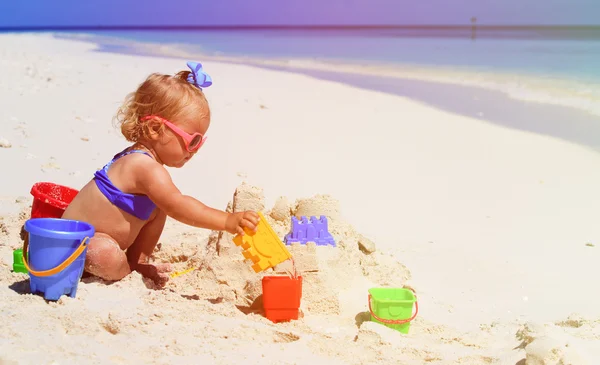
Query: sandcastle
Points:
[328, 272]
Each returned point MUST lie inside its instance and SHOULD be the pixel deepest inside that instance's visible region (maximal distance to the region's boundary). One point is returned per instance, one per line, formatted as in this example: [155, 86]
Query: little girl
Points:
[129, 200]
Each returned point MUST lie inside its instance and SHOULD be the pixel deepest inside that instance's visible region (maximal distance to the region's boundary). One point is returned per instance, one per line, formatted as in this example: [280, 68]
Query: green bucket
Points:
[393, 307]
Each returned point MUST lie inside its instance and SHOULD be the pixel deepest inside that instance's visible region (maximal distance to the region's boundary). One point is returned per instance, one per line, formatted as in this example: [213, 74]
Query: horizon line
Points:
[297, 27]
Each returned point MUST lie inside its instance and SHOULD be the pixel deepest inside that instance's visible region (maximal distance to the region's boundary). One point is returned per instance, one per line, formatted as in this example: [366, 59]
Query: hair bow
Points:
[198, 77]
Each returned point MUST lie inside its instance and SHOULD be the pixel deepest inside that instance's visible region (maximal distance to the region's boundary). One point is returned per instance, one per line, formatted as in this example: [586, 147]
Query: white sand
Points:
[491, 222]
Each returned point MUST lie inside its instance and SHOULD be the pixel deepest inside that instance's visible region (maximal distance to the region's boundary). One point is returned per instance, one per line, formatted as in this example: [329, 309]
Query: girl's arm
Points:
[155, 182]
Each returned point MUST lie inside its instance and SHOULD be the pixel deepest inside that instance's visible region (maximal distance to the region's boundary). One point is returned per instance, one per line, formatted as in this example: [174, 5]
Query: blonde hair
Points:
[166, 96]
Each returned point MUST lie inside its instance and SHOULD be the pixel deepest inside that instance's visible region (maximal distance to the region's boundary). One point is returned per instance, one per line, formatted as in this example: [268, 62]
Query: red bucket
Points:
[50, 200]
[281, 297]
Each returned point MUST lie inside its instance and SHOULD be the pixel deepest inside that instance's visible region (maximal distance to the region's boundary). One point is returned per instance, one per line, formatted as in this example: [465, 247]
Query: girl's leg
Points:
[105, 259]
[143, 246]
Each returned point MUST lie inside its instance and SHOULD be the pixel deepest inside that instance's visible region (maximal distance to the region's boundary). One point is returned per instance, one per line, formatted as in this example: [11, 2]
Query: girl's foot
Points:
[159, 273]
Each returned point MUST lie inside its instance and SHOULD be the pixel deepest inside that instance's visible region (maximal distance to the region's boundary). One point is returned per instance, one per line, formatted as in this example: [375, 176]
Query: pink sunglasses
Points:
[193, 142]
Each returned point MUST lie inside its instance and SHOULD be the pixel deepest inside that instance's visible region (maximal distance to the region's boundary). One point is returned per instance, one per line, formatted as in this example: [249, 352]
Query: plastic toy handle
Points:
[58, 268]
[179, 273]
[395, 321]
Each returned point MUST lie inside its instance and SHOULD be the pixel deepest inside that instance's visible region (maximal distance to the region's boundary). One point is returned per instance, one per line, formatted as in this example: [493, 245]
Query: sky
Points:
[24, 13]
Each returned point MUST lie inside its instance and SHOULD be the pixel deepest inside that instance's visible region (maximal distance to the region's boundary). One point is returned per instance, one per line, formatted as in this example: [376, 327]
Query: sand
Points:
[494, 228]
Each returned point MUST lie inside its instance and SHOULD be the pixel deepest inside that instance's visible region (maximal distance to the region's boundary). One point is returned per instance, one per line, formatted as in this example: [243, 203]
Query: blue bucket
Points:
[56, 255]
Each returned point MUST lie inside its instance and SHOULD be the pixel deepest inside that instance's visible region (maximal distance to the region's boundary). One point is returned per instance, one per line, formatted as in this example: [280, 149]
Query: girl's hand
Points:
[236, 222]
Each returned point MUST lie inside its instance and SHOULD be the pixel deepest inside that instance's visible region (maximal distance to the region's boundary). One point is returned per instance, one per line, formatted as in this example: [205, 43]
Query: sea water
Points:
[554, 65]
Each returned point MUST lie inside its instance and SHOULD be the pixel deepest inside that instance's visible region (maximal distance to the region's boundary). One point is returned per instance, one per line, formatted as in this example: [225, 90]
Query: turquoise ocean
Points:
[551, 65]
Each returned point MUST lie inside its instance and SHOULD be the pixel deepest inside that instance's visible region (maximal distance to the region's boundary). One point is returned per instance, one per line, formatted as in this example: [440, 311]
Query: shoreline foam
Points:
[562, 90]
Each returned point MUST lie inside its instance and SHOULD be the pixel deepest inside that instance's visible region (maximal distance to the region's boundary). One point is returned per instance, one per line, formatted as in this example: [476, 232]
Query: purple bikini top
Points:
[137, 205]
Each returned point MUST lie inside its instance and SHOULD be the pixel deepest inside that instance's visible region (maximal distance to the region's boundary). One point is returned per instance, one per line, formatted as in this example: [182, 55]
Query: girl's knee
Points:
[105, 258]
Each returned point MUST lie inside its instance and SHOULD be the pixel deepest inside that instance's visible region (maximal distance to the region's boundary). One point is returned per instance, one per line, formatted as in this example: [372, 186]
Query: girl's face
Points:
[180, 140]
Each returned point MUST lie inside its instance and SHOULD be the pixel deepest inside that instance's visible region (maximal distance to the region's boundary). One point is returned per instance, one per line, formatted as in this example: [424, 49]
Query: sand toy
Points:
[182, 272]
[50, 200]
[393, 307]
[281, 297]
[263, 247]
[310, 230]
[56, 255]
[18, 261]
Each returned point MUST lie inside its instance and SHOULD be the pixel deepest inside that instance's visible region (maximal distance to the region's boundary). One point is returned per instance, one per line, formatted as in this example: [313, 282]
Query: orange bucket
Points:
[281, 297]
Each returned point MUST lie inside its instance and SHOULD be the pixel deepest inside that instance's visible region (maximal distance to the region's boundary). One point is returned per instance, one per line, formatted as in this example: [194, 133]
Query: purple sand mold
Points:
[313, 230]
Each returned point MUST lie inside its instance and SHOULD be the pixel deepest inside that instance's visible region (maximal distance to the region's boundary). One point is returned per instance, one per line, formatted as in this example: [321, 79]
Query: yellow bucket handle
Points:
[61, 266]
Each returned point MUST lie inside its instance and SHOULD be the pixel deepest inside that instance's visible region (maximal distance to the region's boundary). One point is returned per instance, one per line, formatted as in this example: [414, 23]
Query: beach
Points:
[491, 220]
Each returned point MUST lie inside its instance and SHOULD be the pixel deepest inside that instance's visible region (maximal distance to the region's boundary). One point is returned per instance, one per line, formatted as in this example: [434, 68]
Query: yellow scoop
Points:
[263, 247]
